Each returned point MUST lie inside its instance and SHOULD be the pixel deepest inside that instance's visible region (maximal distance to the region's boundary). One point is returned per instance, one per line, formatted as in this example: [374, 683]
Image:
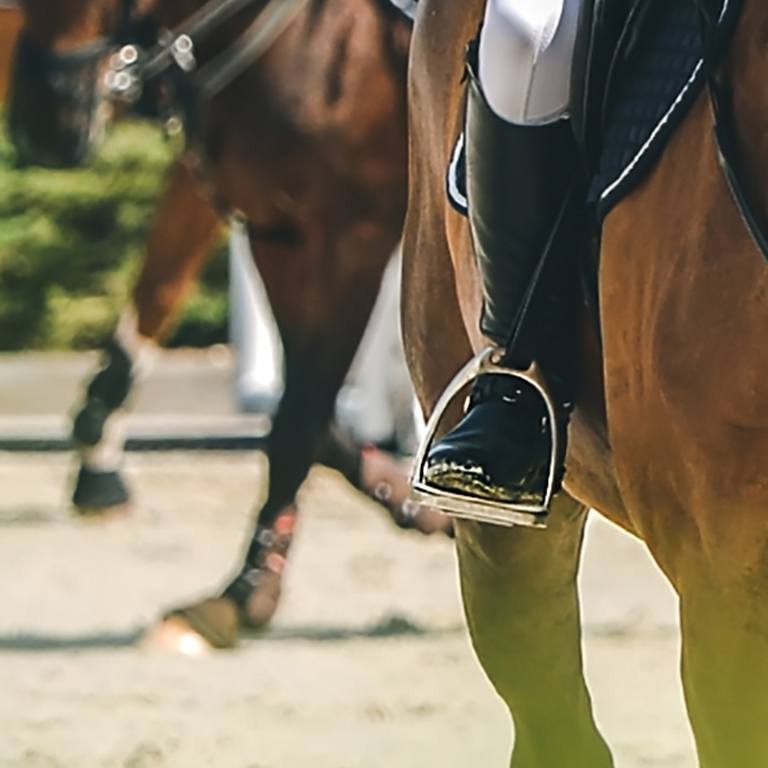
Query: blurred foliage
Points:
[71, 244]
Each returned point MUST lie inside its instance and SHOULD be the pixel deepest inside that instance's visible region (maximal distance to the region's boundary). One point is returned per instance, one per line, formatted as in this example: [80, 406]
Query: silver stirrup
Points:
[466, 507]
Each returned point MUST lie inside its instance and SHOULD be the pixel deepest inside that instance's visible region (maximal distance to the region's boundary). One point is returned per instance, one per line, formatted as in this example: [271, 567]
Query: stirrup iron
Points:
[484, 510]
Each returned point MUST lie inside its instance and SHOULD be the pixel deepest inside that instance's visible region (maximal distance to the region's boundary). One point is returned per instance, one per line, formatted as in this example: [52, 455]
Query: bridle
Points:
[62, 70]
[146, 54]
[132, 67]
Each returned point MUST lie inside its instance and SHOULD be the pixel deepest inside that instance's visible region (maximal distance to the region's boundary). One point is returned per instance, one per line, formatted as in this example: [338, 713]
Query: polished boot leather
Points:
[519, 182]
[501, 449]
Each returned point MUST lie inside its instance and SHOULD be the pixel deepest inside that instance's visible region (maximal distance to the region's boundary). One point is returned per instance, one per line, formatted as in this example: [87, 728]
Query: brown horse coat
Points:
[10, 24]
[669, 438]
[310, 145]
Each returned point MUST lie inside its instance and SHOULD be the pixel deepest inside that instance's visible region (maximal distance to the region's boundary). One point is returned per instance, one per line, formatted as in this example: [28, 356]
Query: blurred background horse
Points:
[10, 24]
[308, 144]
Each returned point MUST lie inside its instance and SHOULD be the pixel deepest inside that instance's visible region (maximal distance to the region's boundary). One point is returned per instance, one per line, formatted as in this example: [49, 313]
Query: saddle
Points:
[625, 118]
[602, 25]
[638, 69]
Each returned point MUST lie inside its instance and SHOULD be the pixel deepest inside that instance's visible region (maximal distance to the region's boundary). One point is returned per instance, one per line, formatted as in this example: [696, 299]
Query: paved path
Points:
[189, 396]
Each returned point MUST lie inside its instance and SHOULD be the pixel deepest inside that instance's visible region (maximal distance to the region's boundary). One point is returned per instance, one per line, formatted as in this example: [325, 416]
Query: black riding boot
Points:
[519, 181]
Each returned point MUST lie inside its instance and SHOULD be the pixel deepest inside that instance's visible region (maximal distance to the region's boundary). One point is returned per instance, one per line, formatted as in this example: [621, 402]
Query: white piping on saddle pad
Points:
[408, 7]
[664, 120]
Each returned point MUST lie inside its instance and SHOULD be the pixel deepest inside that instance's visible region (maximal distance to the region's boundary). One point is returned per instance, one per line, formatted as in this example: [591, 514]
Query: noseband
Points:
[63, 72]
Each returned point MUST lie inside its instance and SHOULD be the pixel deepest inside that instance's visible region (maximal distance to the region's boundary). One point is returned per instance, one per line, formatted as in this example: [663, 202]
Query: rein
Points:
[714, 40]
[132, 67]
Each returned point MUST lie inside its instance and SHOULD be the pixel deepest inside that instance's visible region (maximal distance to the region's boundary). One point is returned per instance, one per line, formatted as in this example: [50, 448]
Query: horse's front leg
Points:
[184, 229]
[522, 606]
[724, 626]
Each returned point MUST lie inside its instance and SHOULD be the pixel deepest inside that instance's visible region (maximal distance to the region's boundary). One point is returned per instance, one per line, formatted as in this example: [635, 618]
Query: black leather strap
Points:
[716, 33]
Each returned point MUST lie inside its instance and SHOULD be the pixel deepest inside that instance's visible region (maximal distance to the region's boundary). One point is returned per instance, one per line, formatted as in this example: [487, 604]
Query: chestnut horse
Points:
[309, 145]
[670, 434]
[10, 24]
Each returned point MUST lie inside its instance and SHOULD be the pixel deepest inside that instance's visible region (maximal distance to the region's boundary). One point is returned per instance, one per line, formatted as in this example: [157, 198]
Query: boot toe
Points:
[497, 453]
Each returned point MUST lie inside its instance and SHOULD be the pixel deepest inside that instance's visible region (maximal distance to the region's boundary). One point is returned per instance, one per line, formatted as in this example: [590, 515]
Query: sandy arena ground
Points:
[367, 666]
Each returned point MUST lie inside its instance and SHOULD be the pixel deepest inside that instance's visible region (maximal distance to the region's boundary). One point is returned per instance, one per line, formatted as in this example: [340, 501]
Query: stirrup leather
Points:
[484, 510]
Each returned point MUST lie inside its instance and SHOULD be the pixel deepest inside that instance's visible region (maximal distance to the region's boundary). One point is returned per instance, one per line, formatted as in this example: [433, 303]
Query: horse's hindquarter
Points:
[684, 313]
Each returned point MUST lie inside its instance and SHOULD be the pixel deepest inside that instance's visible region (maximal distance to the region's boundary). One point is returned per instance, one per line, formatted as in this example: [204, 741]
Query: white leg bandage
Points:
[526, 57]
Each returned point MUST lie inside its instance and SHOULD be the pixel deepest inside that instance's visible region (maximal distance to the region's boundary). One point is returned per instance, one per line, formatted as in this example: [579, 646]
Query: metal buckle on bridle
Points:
[126, 74]
[131, 67]
[465, 507]
[183, 52]
[123, 79]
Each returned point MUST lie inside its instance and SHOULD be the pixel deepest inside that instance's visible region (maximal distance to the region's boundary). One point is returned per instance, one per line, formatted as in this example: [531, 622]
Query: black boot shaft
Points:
[518, 178]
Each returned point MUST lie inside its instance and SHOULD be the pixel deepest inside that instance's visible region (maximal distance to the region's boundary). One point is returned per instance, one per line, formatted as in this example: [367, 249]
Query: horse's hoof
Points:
[98, 493]
[175, 635]
[211, 623]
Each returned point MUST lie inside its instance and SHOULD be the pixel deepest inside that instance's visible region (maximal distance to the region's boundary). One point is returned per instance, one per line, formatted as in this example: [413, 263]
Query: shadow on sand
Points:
[386, 628]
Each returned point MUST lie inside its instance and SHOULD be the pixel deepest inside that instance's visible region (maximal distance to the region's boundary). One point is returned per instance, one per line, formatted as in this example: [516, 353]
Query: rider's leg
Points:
[521, 163]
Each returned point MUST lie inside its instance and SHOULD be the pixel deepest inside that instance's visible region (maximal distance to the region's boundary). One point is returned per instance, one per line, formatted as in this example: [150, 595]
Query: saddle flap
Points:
[607, 35]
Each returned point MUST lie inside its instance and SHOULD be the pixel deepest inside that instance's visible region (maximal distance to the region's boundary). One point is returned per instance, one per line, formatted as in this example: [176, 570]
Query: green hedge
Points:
[71, 243]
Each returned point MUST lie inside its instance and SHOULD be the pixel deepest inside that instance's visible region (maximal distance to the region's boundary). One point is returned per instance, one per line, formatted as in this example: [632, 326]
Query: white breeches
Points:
[526, 57]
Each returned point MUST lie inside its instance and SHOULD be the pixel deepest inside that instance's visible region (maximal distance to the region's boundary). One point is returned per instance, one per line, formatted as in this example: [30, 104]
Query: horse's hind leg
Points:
[181, 237]
[521, 602]
[321, 322]
[725, 660]
[322, 287]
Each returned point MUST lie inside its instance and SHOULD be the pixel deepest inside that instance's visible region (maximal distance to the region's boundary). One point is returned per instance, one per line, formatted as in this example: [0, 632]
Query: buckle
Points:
[530, 515]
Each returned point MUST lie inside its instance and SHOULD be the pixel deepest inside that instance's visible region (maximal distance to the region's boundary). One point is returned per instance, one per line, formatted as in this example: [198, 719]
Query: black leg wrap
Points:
[107, 391]
[267, 552]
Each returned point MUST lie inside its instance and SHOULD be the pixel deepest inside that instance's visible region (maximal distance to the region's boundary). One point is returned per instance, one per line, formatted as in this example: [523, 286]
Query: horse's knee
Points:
[526, 54]
[517, 584]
